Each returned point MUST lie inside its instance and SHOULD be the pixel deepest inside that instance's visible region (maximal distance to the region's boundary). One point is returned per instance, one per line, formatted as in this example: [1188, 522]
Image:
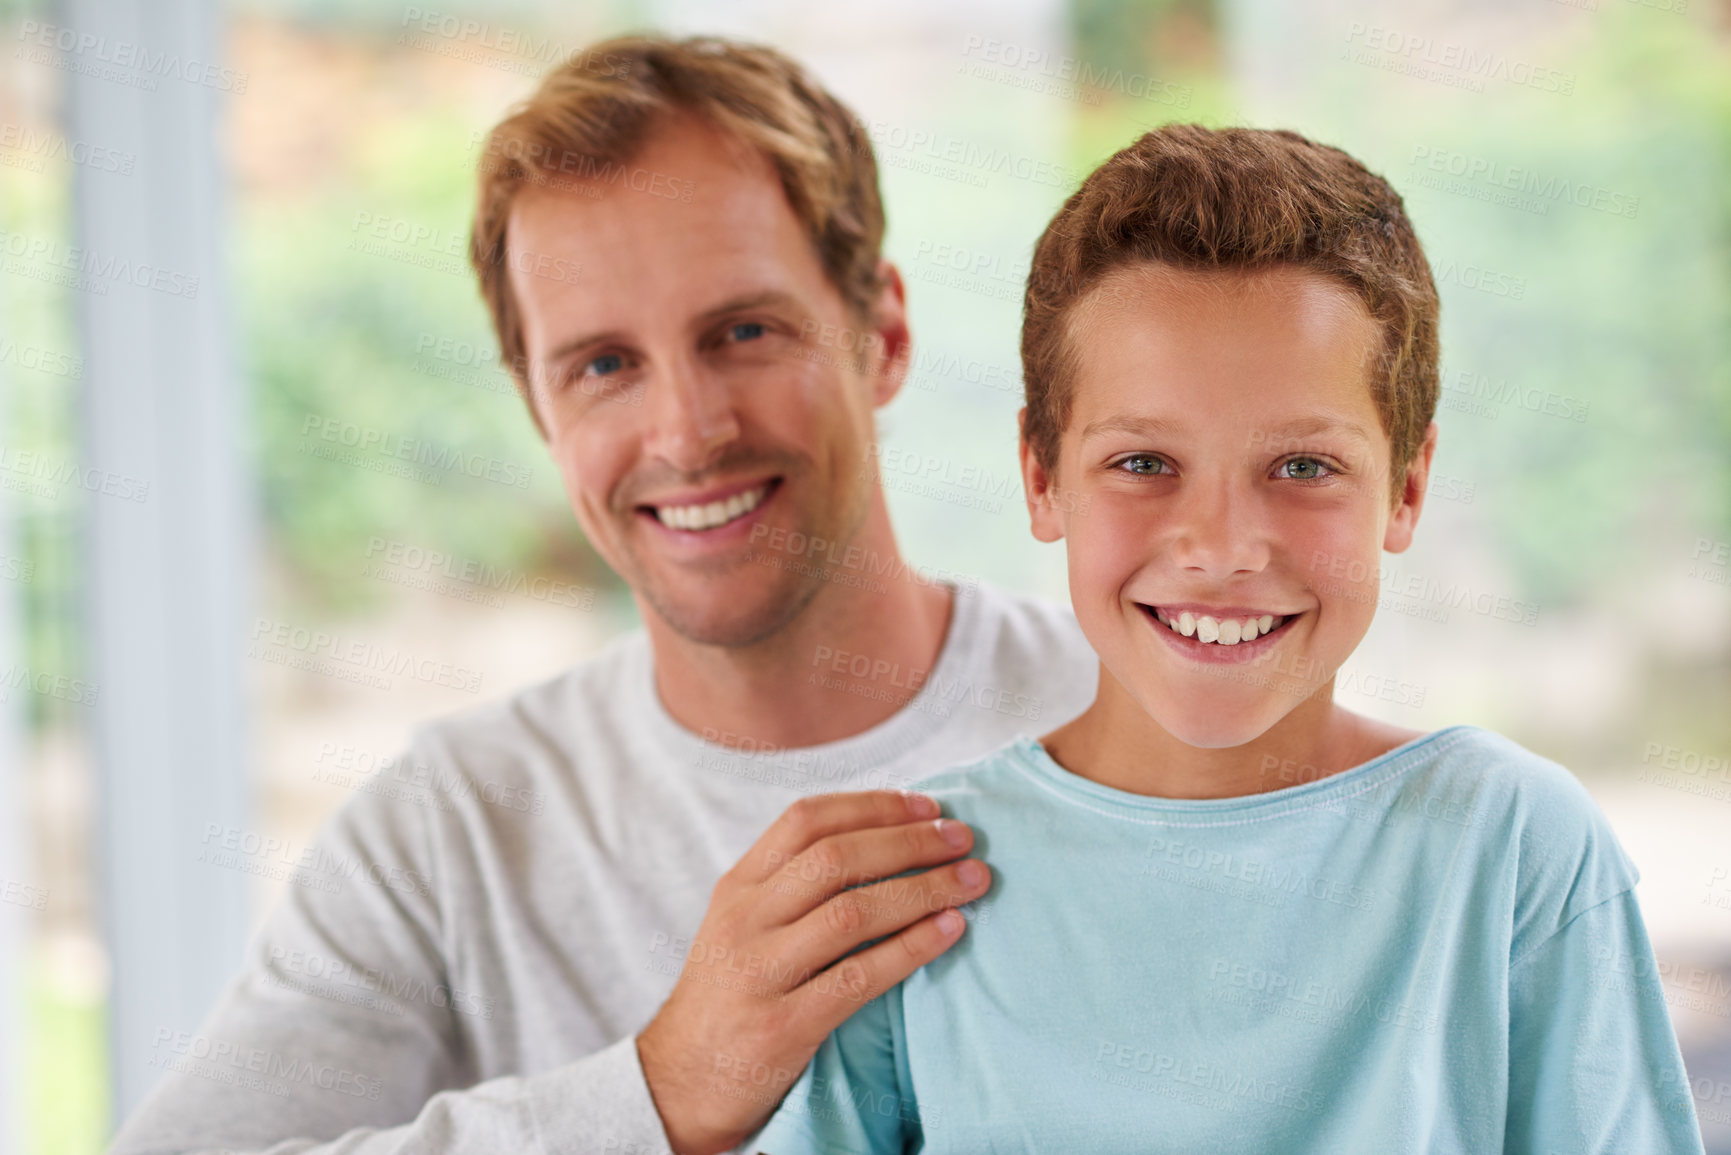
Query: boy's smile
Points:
[1222, 437]
[1232, 634]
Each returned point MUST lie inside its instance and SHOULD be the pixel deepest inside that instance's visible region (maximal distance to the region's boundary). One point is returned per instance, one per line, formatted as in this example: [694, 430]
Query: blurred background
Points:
[232, 270]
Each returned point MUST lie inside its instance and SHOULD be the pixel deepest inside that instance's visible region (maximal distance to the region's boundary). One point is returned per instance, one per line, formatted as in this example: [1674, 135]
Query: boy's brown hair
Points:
[1237, 198]
[592, 114]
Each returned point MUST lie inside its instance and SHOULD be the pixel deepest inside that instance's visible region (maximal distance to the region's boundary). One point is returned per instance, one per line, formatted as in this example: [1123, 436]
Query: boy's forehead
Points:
[1157, 287]
[1275, 343]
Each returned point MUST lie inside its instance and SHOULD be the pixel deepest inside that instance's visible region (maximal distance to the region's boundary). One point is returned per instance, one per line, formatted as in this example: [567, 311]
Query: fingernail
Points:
[953, 832]
[950, 922]
[972, 873]
[922, 806]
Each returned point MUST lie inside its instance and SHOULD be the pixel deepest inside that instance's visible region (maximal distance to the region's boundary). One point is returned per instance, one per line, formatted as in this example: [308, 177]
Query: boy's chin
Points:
[1219, 725]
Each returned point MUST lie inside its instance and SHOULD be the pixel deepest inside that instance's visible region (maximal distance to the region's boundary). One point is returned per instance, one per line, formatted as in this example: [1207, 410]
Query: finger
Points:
[834, 864]
[824, 1002]
[844, 922]
[821, 815]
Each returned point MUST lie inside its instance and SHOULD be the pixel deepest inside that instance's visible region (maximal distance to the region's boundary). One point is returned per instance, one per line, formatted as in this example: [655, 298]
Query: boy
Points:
[1227, 914]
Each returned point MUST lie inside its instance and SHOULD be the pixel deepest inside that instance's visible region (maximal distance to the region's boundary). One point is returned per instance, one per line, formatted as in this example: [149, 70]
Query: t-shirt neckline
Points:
[1355, 780]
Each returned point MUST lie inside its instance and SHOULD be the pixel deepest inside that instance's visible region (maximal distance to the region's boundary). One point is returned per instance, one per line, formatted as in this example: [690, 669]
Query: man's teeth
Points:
[1224, 631]
[713, 514]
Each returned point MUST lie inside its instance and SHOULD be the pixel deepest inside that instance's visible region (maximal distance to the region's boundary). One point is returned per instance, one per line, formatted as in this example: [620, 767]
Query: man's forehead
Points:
[681, 168]
[674, 280]
[627, 240]
[736, 238]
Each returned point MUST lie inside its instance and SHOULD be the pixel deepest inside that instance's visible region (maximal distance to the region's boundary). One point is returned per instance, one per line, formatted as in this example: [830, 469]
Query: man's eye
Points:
[1142, 464]
[1303, 469]
[746, 331]
[605, 365]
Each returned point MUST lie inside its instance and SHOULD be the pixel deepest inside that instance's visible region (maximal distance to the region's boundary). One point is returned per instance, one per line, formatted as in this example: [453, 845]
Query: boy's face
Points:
[1222, 460]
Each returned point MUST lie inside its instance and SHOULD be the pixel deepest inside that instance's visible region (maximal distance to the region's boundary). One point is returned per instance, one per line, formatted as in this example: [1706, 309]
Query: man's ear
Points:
[1404, 519]
[1039, 487]
[892, 344]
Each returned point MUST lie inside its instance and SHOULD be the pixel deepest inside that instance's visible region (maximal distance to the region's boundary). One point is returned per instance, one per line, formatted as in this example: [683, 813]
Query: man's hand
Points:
[762, 986]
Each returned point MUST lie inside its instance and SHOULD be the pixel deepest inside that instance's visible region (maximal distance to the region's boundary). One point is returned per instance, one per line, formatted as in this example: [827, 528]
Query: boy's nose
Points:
[1220, 532]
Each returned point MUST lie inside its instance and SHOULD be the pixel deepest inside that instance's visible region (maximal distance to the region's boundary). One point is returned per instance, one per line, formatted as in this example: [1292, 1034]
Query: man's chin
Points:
[717, 615]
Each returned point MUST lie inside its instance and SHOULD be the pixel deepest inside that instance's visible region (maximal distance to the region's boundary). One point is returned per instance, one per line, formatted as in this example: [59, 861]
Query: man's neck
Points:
[804, 686]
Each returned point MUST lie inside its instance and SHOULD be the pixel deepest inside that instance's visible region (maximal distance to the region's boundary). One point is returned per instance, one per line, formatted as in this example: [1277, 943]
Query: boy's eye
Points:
[1303, 469]
[746, 331]
[1142, 464]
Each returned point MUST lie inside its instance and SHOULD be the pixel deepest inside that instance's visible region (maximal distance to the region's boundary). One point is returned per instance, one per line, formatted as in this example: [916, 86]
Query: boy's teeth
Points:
[712, 514]
[1222, 631]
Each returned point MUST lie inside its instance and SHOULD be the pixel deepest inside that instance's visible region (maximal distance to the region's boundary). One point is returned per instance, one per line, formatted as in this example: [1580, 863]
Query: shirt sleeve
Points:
[1594, 1066]
[854, 1097]
[344, 1033]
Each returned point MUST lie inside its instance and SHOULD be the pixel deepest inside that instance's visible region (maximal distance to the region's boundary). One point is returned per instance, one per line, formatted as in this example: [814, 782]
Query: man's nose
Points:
[691, 413]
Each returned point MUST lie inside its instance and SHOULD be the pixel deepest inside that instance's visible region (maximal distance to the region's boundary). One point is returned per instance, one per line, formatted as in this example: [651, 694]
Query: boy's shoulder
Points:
[1538, 821]
[1515, 790]
[997, 771]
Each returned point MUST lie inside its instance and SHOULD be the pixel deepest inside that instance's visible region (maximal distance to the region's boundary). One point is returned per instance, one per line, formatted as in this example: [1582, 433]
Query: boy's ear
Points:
[1037, 485]
[1401, 523]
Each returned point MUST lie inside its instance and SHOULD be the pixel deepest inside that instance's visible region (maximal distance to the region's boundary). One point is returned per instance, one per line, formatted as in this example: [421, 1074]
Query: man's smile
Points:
[705, 511]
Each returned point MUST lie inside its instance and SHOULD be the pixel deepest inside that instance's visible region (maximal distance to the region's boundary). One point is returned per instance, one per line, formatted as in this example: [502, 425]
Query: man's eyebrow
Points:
[566, 348]
[748, 301]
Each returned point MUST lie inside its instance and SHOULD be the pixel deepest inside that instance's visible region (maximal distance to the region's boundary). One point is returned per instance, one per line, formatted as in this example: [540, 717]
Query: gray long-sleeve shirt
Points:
[463, 962]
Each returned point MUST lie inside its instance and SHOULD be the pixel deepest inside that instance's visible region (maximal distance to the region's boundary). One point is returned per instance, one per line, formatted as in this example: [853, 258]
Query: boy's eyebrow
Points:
[1308, 426]
[1122, 423]
[1156, 426]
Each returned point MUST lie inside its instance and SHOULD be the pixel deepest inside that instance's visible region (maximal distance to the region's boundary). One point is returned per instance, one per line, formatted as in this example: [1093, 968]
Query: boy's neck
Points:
[1115, 743]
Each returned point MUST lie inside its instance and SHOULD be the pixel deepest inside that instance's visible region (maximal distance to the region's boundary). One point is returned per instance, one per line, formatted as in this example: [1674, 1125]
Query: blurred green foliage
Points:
[1162, 37]
[66, 1082]
[38, 414]
[341, 324]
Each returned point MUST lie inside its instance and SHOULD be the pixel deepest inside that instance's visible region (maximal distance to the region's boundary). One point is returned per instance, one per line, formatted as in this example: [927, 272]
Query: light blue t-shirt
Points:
[1438, 950]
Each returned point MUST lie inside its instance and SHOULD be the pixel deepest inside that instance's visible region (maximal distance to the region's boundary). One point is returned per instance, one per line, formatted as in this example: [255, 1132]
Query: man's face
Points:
[1224, 460]
[689, 403]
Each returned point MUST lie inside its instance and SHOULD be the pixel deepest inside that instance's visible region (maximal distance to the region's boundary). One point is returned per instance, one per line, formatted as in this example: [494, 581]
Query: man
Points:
[497, 970]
